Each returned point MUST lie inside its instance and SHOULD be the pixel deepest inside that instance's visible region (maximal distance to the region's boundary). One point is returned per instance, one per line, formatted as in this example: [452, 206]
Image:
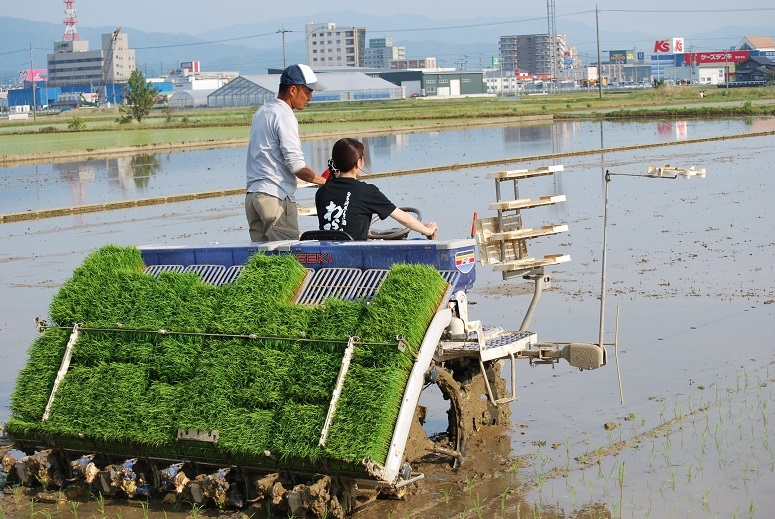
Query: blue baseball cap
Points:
[301, 75]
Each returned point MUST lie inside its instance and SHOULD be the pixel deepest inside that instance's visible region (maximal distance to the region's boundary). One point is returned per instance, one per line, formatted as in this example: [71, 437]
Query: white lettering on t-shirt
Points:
[336, 216]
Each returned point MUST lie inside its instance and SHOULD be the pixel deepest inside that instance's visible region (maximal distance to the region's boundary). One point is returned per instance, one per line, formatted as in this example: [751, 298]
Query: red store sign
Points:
[732, 56]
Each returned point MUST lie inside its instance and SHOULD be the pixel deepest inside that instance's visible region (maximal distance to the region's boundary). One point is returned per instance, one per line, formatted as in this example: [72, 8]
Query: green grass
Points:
[269, 393]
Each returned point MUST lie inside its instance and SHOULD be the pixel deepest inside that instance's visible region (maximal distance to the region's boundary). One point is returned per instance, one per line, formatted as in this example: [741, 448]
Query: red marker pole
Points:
[473, 227]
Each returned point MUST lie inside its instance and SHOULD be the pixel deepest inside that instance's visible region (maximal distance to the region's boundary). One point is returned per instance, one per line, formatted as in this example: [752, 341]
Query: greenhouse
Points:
[350, 86]
[189, 98]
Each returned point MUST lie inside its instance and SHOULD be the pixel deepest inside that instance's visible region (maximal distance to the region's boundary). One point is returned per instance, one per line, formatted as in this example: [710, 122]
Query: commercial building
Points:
[437, 83]
[72, 63]
[381, 52]
[190, 77]
[409, 64]
[536, 54]
[332, 46]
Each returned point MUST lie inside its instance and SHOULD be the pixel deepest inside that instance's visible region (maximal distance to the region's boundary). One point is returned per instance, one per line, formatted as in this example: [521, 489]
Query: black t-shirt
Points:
[347, 204]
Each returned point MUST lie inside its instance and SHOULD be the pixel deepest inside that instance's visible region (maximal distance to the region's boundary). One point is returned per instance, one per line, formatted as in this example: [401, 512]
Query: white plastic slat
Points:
[370, 282]
[208, 273]
[155, 270]
[450, 276]
[329, 282]
[230, 275]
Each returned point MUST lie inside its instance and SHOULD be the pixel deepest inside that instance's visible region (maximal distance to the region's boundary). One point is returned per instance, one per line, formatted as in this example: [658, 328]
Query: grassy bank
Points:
[98, 129]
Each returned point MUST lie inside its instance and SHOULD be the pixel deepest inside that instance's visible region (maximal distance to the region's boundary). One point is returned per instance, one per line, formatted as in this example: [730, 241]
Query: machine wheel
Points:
[460, 425]
[452, 442]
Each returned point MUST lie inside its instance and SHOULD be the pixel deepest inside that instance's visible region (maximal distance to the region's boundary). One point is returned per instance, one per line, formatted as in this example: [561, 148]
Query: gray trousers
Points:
[271, 219]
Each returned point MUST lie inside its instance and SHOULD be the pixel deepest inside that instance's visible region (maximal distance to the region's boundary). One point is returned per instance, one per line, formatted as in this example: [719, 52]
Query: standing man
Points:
[275, 159]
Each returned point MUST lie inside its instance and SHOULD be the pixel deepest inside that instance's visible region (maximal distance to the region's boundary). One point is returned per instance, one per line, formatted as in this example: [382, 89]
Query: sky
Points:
[197, 16]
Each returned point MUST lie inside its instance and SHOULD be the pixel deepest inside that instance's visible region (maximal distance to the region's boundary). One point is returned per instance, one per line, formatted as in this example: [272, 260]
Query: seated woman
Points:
[345, 203]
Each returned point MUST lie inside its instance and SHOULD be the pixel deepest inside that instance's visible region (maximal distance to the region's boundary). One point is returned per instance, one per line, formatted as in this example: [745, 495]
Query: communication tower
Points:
[71, 33]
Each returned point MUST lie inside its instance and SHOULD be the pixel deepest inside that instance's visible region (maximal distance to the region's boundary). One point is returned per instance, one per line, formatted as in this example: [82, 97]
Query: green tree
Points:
[140, 96]
[76, 124]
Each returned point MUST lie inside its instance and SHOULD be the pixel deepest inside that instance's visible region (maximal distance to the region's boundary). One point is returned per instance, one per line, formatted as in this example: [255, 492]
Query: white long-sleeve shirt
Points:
[274, 151]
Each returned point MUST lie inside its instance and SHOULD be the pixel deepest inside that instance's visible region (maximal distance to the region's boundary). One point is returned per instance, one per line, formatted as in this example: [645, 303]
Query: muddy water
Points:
[689, 264]
[90, 182]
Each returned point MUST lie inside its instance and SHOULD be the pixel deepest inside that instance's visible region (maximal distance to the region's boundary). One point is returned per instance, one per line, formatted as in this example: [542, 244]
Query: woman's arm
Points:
[407, 220]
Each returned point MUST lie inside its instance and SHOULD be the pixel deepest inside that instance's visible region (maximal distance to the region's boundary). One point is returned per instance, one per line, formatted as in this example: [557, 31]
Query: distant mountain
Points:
[252, 48]
[155, 52]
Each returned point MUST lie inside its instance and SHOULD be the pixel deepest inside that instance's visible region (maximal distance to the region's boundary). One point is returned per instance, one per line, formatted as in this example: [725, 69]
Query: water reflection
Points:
[140, 169]
[89, 182]
[675, 128]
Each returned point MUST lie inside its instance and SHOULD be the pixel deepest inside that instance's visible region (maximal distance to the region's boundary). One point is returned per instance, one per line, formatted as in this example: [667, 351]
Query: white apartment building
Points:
[533, 53]
[332, 46]
[381, 52]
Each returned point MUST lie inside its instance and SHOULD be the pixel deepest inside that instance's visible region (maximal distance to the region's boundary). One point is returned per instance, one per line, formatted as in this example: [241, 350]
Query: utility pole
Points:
[552, 37]
[283, 31]
[726, 71]
[34, 97]
[597, 32]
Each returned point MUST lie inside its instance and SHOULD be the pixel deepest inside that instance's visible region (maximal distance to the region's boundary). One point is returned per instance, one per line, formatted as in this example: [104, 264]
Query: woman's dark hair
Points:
[345, 155]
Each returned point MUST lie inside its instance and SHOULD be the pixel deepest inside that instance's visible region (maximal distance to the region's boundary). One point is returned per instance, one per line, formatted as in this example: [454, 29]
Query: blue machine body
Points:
[445, 255]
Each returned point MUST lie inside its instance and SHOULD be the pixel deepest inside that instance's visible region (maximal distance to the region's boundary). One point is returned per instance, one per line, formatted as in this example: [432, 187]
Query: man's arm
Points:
[307, 175]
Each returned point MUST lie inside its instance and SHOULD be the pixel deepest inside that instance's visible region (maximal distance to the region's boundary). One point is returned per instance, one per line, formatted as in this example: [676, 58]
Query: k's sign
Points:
[669, 46]
[662, 46]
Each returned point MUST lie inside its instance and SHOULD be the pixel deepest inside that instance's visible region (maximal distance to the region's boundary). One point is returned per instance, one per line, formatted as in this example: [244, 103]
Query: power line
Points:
[692, 11]
[15, 52]
[472, 25]
[205, 42]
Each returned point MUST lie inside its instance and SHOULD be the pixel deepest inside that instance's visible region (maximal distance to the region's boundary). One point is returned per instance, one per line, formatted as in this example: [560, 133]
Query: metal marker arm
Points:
[62, 368]
[348, 355]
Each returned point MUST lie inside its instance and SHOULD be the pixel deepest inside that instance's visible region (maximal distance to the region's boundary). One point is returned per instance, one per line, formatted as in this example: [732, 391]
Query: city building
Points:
[503, 82]
[536, 54]
[415, 63]
[332, 46]
[190, 77]
[72, 63]
[381, 52]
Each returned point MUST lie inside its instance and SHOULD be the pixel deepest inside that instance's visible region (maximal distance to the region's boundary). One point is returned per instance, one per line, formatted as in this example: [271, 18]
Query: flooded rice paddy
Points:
[689, 266]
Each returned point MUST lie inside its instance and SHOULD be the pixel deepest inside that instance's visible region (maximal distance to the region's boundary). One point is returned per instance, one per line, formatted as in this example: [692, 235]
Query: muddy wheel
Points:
[452, 442]
[460, 425]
